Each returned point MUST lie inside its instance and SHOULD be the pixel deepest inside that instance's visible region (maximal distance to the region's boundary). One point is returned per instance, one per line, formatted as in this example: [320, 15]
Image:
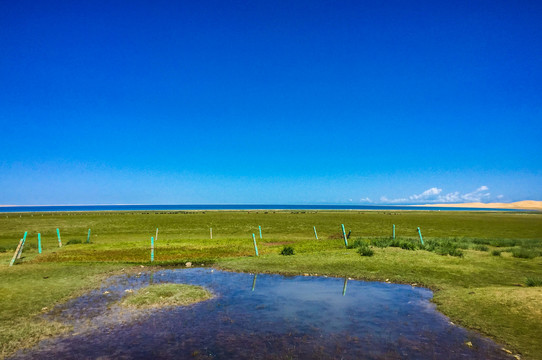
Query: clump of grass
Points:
[403, 244]
[443, 247]
[3, 249]
[287, 250]
[481, 241]
[503, 242]
[164, 295]
[533, 282]
[481, 248]
[29, 245]
[463, 245]
[496, 253]
[74, 241]
[381, 242]
[365, 250]
[523, 253]
[356, 243]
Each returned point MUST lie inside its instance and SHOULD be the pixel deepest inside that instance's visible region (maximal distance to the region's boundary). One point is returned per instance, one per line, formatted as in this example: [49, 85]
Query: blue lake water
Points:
[12, 209]
[263, 317]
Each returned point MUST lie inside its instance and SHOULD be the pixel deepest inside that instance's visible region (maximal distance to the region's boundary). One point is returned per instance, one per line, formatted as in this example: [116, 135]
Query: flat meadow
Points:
[485, 268]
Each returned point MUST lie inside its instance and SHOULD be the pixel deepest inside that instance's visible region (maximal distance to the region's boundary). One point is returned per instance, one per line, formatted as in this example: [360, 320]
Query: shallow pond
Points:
[263, 317]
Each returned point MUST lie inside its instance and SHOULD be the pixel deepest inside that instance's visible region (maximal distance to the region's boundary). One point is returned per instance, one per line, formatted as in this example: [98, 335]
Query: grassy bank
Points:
[166, 295]
[31, 289]
[481, 290]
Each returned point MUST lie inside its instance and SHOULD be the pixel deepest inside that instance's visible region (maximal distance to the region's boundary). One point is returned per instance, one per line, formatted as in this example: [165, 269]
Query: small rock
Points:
[506, 351]
[44, 308]
[141, 266]
[106, 292]
[188, 264]
[387, 280]
[469, 344]
[517, 357]
[129, 290]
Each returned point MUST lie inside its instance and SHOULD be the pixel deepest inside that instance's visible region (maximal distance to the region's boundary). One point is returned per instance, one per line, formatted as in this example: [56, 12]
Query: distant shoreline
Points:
[518, 205]
[537, 206]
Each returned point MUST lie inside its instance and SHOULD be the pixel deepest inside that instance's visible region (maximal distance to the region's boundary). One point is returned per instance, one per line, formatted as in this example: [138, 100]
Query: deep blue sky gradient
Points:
[269, 101]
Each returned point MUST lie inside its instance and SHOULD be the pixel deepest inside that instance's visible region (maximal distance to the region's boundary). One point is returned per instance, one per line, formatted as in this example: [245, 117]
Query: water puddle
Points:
[263, 317]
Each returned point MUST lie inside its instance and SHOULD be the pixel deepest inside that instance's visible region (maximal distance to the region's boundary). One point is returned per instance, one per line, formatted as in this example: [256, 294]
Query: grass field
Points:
[483, 289]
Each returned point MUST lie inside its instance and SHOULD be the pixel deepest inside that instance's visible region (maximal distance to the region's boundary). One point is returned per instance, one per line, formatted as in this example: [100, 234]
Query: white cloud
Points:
[365, 200]
[435, 195]
[477, 195]
[427, 194]
[390, 201]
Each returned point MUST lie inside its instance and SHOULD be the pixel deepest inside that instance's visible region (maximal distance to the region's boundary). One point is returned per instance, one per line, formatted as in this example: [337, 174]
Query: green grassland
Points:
[166, 295]
[485, 289]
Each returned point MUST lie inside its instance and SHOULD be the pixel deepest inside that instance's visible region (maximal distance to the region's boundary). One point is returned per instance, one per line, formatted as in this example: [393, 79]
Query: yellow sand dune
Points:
[525, 204]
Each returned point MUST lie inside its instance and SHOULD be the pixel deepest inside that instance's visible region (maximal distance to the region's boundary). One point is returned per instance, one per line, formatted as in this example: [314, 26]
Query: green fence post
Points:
[22, 245]
[393, 236]
[58, 235]
[88, 237]
[259, 227]
[255, 246]
[16, 252]
[420, 233]
[344, 236]
[152, 249]
[344, 286]
[315, 234]
[39, 243]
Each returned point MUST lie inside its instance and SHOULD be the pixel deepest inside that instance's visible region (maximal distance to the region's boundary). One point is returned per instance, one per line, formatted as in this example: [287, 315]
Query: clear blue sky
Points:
[292, 102]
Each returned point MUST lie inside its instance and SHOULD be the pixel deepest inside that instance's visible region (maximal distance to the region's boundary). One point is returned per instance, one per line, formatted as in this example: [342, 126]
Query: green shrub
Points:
[356, 243]
[523, 253]
[449, 250]
[3, 249]
[481, 241]
[381, 242]
[287, 250]
[403, 244]
[365, 250]
[463, 245]
[481, 248]
[442, 247]
[533, 281]
[496, 253]
[74, 241]
[503, 242]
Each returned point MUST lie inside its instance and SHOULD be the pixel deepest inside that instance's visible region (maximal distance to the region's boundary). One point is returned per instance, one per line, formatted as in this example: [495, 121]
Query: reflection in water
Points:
[296, 317]
[254, 281]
